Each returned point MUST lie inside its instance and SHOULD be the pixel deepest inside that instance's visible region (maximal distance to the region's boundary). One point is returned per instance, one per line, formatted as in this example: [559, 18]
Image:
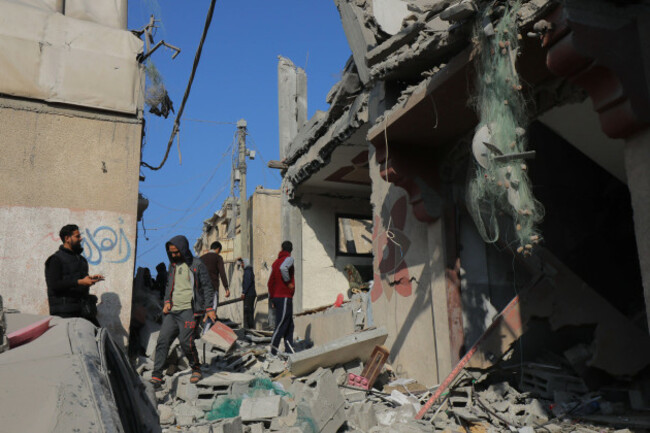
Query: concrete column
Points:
[292, 102]
[637, 166]
[292, 115]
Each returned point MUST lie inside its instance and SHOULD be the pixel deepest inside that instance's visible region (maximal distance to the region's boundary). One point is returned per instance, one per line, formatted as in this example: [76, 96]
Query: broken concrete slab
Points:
[360, 38]
[224, 378]
[401, 38]
[262, 407]
[460, 11]
[220, 336]
[354, 346]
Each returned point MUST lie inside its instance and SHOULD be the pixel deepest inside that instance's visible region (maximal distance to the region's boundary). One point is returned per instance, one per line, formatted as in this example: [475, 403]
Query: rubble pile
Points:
[245, 389]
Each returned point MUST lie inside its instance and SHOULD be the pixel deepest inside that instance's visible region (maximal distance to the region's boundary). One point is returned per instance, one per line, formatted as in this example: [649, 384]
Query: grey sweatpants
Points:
[181, 324]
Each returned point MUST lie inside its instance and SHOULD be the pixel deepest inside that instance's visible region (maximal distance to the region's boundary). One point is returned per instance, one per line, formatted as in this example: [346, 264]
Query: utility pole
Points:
[243, 203]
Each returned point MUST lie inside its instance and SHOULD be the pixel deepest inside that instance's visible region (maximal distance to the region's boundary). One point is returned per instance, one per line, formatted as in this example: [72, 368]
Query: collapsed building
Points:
[71, 101]
[394, 157]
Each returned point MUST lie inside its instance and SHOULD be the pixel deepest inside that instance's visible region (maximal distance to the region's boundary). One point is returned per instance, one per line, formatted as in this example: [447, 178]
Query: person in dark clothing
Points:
[281, 287]
[248, 293]
[214, 262]
[161, 279]
[187, 297]
[67, 279]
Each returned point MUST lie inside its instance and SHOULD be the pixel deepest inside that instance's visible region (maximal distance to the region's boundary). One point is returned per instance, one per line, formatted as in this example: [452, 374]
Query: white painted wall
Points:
[323, 277]
[31, 234]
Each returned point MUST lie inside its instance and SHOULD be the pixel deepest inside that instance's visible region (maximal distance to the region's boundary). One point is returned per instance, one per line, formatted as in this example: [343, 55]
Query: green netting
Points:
[228, 407]
[501, 182]
[266, 384]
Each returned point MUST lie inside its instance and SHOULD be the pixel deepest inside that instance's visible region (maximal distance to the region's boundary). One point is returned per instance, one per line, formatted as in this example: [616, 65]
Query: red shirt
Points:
[278, 288]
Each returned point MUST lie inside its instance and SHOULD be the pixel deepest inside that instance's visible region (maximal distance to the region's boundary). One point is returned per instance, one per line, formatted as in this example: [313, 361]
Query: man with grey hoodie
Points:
[188, 296]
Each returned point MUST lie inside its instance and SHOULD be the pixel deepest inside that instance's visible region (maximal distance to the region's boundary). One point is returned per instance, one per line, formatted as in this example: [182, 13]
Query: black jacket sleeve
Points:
[55, 281]
[205, 284]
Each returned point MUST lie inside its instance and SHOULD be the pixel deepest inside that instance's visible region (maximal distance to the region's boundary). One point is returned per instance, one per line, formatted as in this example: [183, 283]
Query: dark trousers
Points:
[283, 324]
[181, 324]
[249, 311]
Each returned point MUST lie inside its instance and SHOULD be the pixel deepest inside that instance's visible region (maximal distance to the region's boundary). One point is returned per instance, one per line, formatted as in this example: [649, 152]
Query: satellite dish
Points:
[479, 149]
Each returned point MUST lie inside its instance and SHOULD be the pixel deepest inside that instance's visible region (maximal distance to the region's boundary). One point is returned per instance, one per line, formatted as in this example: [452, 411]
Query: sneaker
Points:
[156, 381]
[196, 376]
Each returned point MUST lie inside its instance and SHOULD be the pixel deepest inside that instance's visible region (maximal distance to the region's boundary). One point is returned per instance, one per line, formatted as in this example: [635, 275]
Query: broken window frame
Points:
[338, 251]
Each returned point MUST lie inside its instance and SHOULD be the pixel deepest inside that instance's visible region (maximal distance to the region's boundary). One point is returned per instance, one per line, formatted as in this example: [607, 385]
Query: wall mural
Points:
[104, 244]
[390, 246]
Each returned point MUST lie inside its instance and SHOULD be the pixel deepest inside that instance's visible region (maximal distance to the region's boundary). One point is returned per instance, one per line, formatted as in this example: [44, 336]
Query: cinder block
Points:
[261, 408]
[166, 414]
[323, 400]
[230, 425]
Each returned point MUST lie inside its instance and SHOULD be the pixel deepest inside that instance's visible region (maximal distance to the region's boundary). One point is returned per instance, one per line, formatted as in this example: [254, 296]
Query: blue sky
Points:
[236, 78]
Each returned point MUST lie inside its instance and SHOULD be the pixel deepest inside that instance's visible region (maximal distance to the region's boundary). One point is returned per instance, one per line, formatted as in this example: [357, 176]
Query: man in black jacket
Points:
[188, 296]
[248, 293]
[67, 279]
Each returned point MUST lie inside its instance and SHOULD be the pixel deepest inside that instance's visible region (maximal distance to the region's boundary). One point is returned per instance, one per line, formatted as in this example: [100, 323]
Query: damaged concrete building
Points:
[263, 218]
[394, 155]
[71, 100]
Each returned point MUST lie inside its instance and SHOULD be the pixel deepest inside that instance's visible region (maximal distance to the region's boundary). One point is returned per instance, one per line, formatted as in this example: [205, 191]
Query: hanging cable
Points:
[197, 57]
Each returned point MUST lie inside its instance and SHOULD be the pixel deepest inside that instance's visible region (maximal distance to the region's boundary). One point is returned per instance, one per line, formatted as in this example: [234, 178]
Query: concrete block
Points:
[256, 428]
[186, 391]
[274, 366]
[230, 425]
[187, 414]
[322, 402]
[166, 414]
[220, 336]
[261, 407]
[355, 346]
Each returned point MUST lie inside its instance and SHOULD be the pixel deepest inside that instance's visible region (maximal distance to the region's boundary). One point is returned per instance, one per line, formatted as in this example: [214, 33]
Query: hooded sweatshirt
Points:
[203, 292]
[281, 276]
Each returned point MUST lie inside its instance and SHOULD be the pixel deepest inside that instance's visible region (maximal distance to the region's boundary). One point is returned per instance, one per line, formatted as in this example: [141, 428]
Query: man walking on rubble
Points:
[187, 296]
[67, 279]
[214, 262]
[281, 287]
[248, 293]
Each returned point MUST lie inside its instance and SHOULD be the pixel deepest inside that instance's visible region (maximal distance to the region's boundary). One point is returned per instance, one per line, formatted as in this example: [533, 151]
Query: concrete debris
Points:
[460, 11]
[355, 346]
[221, 336]
[247, 390]
[263, 407]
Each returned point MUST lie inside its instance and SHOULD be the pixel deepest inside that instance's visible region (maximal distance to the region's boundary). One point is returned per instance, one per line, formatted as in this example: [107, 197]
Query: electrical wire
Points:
[197, 57]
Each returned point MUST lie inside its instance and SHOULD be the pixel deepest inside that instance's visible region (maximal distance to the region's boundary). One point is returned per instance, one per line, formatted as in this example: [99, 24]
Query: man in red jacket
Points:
[281, 289]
